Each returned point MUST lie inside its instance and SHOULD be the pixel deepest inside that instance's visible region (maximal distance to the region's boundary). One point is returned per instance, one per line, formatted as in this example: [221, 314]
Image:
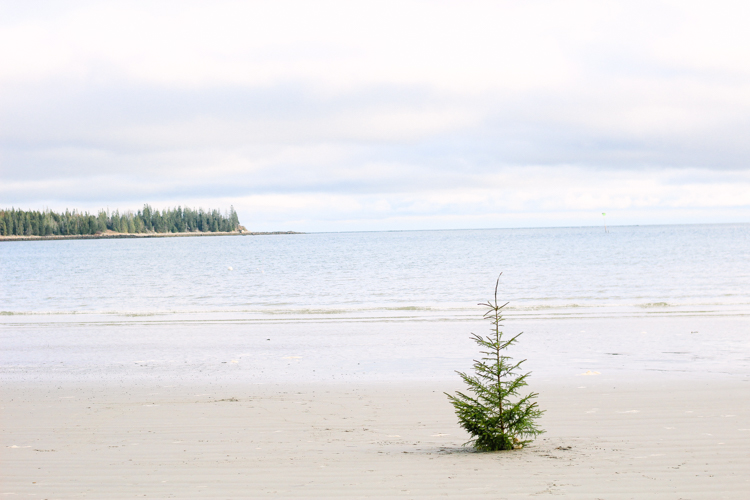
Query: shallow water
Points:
[373, 306]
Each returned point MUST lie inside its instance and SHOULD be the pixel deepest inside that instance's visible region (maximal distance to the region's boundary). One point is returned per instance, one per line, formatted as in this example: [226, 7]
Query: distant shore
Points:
[114, 235]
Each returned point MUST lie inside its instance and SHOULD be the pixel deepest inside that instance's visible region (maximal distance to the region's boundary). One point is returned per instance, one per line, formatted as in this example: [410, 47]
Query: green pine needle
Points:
[496, 415]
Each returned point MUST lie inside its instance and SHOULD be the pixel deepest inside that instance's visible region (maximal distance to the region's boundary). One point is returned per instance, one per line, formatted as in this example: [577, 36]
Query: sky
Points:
[359, 116]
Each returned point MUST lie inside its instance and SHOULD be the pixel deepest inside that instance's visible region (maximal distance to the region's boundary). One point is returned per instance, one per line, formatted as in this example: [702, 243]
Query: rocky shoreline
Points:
[112, 235]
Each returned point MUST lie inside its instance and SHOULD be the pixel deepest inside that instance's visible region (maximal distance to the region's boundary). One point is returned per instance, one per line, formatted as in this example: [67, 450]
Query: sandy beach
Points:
[606, 439]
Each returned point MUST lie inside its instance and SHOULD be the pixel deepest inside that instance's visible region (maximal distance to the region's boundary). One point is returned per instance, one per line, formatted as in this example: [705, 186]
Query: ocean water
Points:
[375, 305]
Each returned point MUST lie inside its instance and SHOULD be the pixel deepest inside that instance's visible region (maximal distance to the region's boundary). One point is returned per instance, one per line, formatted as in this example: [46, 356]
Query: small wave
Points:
[88, 313]
[405, 308]
[297, 311]
[402, 311]
[545, 307]
[38, 313]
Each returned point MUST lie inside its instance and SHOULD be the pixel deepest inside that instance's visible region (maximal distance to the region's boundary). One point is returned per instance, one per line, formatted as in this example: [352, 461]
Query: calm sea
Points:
[375, 305]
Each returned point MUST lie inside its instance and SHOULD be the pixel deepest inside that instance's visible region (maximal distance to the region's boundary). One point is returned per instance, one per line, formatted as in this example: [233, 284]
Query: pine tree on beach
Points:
[496, 415]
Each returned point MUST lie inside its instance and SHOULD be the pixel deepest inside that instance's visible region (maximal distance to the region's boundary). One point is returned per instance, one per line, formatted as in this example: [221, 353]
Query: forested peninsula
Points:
[16, 224]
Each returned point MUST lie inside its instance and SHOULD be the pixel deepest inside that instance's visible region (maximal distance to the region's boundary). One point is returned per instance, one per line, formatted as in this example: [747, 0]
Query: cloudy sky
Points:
[334, 116]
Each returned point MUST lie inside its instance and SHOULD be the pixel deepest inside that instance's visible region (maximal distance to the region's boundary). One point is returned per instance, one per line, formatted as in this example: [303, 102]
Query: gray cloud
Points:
[66, 130]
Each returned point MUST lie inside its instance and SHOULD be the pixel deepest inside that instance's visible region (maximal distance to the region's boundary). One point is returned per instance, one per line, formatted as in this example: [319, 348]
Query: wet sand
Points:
[606, 439]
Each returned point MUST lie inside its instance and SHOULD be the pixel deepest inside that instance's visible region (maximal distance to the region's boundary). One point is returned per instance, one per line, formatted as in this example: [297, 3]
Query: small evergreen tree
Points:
[495, 415]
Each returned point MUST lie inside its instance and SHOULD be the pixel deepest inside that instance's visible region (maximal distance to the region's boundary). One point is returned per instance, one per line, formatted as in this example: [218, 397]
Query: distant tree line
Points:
[148, 220]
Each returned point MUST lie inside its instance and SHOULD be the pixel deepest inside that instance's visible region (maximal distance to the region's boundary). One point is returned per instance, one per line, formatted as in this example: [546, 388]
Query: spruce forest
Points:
[176, 220]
